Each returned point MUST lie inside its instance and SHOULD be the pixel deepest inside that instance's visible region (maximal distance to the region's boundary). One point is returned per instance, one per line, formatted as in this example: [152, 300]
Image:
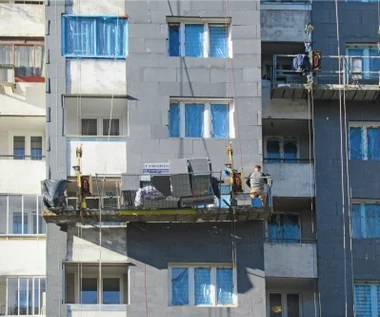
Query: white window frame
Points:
[213, 268]
[364, 57]
[281, 140]
[99, 123]
[284, 302]
[206, 116]
[206, 37]
[298, 214]
[373, 286]
[29, 301]
[28, 142]
[364, 126]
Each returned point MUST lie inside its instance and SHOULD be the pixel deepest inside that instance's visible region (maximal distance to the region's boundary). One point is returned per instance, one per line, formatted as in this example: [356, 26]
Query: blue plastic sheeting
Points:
[224, 286]
[174, 120]
[194, 121]
[356, 221]
[194, 34]
[202, 286]
[290, 151]
[374, 63]
[356, 148]
[372, 221]
[174, 40]
[105, 37]
[218, 41]
[284, 228]
[180, 286]
[219, 121]
[273, 150]
[363, 302]
[373, 135]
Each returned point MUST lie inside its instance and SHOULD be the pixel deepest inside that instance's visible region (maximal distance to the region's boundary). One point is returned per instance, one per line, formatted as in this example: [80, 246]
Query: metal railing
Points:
[355, 70]
[288, 160]
[166, 191]
[23, 157]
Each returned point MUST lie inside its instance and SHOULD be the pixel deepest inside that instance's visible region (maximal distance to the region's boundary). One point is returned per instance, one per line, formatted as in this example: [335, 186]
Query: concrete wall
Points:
[284, 22]
[24, 257]
[151, 248]
[27, 20]
[291, 260]
[153, 77]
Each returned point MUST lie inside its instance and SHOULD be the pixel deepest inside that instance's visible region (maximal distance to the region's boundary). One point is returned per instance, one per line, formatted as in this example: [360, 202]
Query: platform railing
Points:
[355, 70]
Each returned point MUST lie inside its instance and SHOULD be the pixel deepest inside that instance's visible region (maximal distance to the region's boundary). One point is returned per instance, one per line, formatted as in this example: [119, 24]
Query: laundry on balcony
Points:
[301, 63]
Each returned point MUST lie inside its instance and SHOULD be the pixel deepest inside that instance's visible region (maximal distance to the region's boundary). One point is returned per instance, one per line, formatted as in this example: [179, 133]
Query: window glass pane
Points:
[194, 34]
[363, 303]
[6, 54]
[42, 223]
[194, 120]
[12, 293]
[3, 214]
[356, 152]
[373, 135]
[180, 286]
[293, 305]
[372, 220]
[89, 127]
[354, 65]
[19, 147]
[89, 292]
[42, 290]
[111, 291]
[202, 286]
[30, 296]
[356, 221]
[30, 211]
[36, 291]
[36, 147]
[273, 150]
[24, 61]
[275, 306]
[23, 293]
[79, 36]
[174, 40]
[290, 151]
[374, 63]
[219, 121]
[284, 228]
[218, 40]
[114, 127]
[39, 61]
[174, 120]
[111, 37]
[224, 286]
[15, 215]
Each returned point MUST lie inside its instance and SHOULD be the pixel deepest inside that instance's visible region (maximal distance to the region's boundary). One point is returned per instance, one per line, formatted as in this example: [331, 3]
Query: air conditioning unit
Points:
[7, 75]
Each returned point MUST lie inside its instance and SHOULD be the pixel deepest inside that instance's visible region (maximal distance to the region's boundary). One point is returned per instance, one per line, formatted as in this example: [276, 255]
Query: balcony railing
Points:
[286, 1]
[23, 157]
[355, 70]
[287, 160]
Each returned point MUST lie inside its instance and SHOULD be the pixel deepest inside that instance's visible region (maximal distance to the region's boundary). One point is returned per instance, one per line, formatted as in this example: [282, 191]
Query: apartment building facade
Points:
[22, 158]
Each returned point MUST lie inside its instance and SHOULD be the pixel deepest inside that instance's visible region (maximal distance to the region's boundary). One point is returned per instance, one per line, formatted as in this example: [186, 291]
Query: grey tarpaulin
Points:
[53, 194]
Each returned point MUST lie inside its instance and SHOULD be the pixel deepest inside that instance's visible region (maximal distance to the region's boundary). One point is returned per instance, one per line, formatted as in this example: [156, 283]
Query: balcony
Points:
[18, 19]
[100, 155]
[24, 175]
[291, 260]
[359, 78]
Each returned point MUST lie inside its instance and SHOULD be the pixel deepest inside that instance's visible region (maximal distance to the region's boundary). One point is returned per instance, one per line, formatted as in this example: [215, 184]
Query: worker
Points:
[256, 181]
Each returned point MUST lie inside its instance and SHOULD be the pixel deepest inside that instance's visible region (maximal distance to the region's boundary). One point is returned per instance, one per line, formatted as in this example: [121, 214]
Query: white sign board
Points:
[156, 168]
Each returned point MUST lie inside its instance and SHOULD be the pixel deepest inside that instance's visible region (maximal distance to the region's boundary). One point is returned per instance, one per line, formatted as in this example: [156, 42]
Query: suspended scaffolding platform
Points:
[360, 78]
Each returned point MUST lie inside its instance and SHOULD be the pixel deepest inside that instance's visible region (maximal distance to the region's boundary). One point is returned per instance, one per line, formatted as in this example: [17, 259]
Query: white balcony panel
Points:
[23, 257]
[291, 180]
[22, 20]
[22, 176]
[294, 260]
[78, 310]
[100, 155]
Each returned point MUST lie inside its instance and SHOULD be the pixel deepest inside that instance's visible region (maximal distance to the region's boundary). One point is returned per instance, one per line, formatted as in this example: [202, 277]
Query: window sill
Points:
[30, 79]
[40, 236]
[96, 307]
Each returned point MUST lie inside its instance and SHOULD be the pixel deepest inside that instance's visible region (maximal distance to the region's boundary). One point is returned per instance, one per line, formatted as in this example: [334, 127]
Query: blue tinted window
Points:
[174, 40]
[180, 286]
[218, 41]
[284, 228]
[224, 286]
[194, 35]
[19, 148]
[194, 120]
[104, 37]
[111, 291]
[219, 121]
[356, 148]
[373, 134]
[202, 286]
[273, 150]
[89, 291]
[174, 120]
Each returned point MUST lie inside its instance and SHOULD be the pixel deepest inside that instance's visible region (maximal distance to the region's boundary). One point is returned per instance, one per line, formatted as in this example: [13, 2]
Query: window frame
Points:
[364, 137]
[279, 213]
[365, 48]
[99, 124]
[284, 302]
[206, 117]
[94, 17]
[31, 301]
[374, 300]
[363, 227]
[28, 144]
[213, 268]
[29, 43]
[206, 38]
[281, 140]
